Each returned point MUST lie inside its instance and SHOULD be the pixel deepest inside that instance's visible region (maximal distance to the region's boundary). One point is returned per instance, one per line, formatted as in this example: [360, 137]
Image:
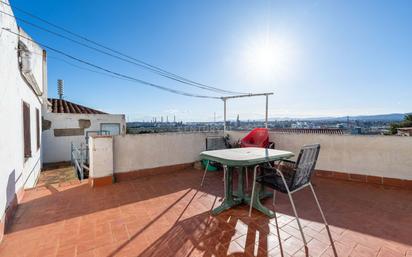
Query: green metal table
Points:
[243, 158]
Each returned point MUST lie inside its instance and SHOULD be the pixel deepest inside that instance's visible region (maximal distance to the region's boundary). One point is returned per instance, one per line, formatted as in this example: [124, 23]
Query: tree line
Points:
[407, 122]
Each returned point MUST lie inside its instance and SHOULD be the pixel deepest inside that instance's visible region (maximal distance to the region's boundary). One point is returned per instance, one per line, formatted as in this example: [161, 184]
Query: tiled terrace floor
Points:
[168, 215]
[60, 176]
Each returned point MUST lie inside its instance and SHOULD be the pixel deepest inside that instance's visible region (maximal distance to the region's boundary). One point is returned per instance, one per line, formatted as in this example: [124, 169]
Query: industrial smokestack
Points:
[60, 88]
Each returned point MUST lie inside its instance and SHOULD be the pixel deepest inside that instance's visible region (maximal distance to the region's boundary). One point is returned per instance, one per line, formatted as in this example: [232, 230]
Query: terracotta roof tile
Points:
[64, 106]
[310, 131]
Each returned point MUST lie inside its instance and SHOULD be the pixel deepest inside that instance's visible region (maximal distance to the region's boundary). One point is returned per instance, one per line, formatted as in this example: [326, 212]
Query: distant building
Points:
[66, 122]
[405, 132]
[300, 125]
[340, 125]
[356, 130]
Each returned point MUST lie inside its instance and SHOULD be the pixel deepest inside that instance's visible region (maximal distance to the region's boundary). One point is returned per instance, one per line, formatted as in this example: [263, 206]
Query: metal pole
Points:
[245, 95]
[81, 162]
[224, 117]
[204, 173]
[252, 198]
[71, 152]
[267, 107]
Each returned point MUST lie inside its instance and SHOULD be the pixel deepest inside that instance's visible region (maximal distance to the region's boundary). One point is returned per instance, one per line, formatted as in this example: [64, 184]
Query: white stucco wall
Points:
[385, 156]
[101, 156]
[36, 60]
[16, 172]
[57, 149]
[136, 152]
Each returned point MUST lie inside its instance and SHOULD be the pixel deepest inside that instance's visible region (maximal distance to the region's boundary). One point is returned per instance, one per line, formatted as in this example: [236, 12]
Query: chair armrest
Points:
[266, 168]
[286, 167]
[275, 171]
[288, 163]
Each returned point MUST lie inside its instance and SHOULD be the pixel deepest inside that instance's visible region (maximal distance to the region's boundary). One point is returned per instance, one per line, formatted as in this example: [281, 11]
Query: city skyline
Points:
[326, 58]
[377, 117]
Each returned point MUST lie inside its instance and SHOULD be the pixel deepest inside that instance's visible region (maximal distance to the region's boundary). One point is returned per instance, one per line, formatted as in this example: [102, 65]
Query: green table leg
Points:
[233, 199]
[229, 200]
[241, 183]
[259, 190]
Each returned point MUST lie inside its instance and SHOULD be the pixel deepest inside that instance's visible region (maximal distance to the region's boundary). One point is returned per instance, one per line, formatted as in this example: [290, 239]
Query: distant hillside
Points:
[392, 117]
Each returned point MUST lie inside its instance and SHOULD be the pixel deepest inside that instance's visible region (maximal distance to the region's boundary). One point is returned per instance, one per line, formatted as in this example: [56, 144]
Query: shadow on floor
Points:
[177, 213]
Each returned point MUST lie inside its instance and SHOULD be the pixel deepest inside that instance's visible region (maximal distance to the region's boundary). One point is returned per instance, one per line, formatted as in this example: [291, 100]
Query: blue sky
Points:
[320, 58]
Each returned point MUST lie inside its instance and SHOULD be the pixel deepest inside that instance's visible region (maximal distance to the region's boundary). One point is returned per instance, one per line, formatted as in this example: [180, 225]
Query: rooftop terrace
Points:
[169, 215]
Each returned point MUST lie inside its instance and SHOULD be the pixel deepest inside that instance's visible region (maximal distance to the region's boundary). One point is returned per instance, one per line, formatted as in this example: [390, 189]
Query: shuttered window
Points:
[38, 128]
[26, 130]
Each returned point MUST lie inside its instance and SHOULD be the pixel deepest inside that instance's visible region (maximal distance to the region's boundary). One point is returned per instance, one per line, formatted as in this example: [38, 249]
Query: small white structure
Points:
[406, 132]
[23, 90]
[66, 122]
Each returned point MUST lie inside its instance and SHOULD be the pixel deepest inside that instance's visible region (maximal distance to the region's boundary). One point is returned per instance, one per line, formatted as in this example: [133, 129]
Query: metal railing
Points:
[79, 158]
[96, 132]
[80, 155]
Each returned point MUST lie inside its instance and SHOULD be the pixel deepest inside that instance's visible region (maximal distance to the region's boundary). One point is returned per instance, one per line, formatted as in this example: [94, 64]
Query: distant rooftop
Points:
[64, 106]
[309, 130]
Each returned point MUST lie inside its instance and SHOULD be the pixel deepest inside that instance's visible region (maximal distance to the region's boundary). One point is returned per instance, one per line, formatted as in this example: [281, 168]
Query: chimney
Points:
[60, 88]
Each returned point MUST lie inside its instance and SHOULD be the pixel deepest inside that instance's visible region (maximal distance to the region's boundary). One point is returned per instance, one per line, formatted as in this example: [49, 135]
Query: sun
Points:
[268, 59]
[264, 58]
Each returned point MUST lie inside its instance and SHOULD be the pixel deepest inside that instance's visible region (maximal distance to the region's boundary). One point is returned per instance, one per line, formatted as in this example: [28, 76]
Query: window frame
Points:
[27, 152]
[111, 123]
[38, 128]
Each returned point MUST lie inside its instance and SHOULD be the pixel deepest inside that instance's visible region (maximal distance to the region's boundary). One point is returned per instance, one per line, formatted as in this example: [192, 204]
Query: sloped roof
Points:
[64, 106]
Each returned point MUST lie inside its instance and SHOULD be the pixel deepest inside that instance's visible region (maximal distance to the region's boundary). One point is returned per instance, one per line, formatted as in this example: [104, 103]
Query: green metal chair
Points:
[296, 177]
[214, 143]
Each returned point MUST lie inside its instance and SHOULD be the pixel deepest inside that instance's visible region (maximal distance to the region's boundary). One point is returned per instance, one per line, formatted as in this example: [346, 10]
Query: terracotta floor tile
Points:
[363, 251]
[69, 251]
[386, 252]
[292, 245]
[85, 246]
[120, 234]
[294, 232]
[169, 215]
[86, 254]
[317, 247]
[341, 250]
[41, 251]
[275, 252]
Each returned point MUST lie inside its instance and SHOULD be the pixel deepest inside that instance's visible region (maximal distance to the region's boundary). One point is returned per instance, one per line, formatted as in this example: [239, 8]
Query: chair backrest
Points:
[216, 143]
[305, 165]
[258, 137]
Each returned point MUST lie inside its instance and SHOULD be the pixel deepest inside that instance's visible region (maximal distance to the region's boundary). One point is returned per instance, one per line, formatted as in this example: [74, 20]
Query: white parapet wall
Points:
[101, 157]
[382, 156]
[146, 151]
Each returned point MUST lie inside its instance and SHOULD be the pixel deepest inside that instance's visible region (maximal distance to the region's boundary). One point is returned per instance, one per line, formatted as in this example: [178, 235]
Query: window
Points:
[113, 128]
[38, 128]
[26, 130]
